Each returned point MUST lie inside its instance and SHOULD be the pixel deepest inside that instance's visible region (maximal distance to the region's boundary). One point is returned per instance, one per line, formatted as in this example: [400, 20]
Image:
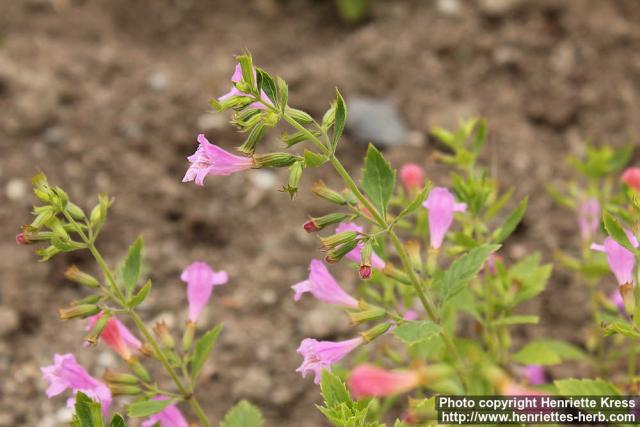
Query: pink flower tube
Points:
[67, 373]
[412, 177]
[535, 374]
[441, 205]
[168, 417]
[621, 260]
[237, 78]
[210, 159]
[201, 279]
[117, 336]
[368, 380]
[323, 286]
[319, 355]
[631, 177]
[589, 218]
[355, 254]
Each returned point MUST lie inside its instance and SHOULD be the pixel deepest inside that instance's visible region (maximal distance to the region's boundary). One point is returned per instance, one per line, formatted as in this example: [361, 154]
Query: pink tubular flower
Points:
[621, 260]
[210, 159]
[323, 286]
[631, 177]
[319, 355]
[441, 205]
[237, 78]
[617, 300]
[589, 218]
[117, 336]
[368, 380]
[168, 417]
[412, 177]
[201, 279]
[535, 374]
[67, 373]
[355, 254]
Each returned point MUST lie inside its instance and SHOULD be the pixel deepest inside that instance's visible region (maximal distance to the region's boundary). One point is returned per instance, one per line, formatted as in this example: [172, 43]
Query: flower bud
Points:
[147, 350]
[390, 271]
[338, 239]
[91, 299]
[365, 272]
[324, 192]
[21, 239]
[41, 188]
[413, 249]
[329, 117]
[81, 311]
[318, 223]
[138, 369]
[274, 160]
[187, 337]
[44, 214]
[247, 119]
[412, 177]
[120, 378]
[291, 139]
[367, 313]
[124, 390]
[299, 116]
[48, 252]
[336, 254]
[631, 177]
[255, 136]
[626, 290]
[75, 275]
[295, 173]
[99, 213]
[32, 235]
[164, 335]
[375, 332]
[75, 211]
[97, 329]
[365, 260]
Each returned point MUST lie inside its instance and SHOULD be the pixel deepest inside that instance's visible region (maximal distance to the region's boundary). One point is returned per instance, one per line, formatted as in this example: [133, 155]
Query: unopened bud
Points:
[413, 249]
[41, 188]
[97, 329]
[124, 390]
[75, 211]
[81, 311]
[187, 337]
[91, 299]
[375, 332]
[336, 254]
[337, 239]
[274, 160]
[318, 223]
[44, 214]
[365, 272]
[138, 369]
[295, 173]
[324, 192]
[111, 377]
[164, 335]
[365, 260]
[75, 275]
[631, 177]
[299, 116]
[367, 313]
[255, 136]
[412, 177]
[626, 290]
[21, 239]
[390, 271]
[32, 235]
[147, 350]
[291, 139]
[47, 253]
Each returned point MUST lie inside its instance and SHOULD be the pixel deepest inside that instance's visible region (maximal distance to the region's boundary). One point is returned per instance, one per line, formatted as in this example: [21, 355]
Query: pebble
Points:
[209, 121]
[159, 81]
[376, 120]
[106, 359]
[54, 136]
[16, 189]
[9, 321]
[263, 179]
[324, 322]
[255, 384]
[498, 8]
[449, 7]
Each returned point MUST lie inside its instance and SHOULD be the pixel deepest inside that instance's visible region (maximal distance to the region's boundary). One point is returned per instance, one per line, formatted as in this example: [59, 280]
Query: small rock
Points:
[498, 8]
[159, 81]
[9, 321]
[208, 121]
[54, 136]
[268, 297]
[106, 359]
[263, 179]
[256, 384]
[449, 7]
[376, 120]
[16, 189]
[324, 322]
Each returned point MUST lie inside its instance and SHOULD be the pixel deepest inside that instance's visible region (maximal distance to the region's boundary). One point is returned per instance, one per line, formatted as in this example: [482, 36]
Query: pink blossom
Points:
[168, 417]
[412, 177]
[369, 380]
[67, 373]
[117, 336]
[617, 300]
[323, 286]
[631, 177]
[237, 78]
[535, 374]
[621, 260]
[201, 279]
[589, 218]
[210, 159]
[319, 355]
[355, 254]
[441, 205]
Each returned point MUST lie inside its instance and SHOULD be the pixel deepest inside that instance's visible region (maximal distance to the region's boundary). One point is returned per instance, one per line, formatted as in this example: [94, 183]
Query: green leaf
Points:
[142, 294]
[516, 320]
[378, 180]
[333, 390]
[462, 270]
[202, 349]
[548, 352]
[87, 412]
[266, 83]
[117, 421]
[340, 120]
[144, 408]
[417, 201]
[242, 415]
[586, 387]
[313, 159]
[130, 268]
[417, 331]
[622, 329]
[283, 93]
[529, 278]
[511, 222]
[615, 230]
[246, 64]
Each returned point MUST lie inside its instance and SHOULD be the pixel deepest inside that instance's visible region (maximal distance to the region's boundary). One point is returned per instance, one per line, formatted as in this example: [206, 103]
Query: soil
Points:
[109, 96]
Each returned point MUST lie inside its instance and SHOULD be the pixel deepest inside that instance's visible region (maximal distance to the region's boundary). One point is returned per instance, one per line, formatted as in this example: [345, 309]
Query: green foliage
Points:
[89, 414]
[511, 222]
[202, 349]
[340, 120]
[548, 352]
[602, 161]
[414, 332]
[144, 408]
[586, 387]
[243, 415]
[339, 408]
[129, 271]
[378, 180]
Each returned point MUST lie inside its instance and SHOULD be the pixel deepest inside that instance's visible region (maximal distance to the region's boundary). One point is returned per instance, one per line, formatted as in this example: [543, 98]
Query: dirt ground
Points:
[110, 95]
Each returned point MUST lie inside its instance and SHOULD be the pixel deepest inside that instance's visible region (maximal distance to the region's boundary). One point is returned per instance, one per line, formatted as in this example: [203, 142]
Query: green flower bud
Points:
[299, 116]
[336, 254]
[75, 211]
[81, 311]
[255, 136]
[318, 223]
[164, 335]
[187, 337]
[75, 275]
[138, 369]
[321, 190]
[124, 390]
[113, 378]
[274, 160]
[97, 329]
[390, 271]
[375, 332]
[367, 313]
[335, 240]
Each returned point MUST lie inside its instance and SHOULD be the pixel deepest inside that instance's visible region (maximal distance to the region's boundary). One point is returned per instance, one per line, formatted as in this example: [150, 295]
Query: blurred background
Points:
[110, 95]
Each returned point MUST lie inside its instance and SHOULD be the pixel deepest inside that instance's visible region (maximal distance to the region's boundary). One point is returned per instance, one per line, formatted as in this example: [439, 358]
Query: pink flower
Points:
[21, 239]
[168, 417]
[117, 336]
[369, 380]
[589, 218]
[237, 78]
[441, 205]
[412, 177]
[319, 355]
[201, 279]
[631, 177]
[617, 300]
[355, 254]
[66, 373]
[323, 286]
[210, 159]
[621, 260]
[535, 374]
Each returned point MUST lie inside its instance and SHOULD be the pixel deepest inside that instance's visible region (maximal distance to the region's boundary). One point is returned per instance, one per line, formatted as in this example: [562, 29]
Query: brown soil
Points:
[107, 95]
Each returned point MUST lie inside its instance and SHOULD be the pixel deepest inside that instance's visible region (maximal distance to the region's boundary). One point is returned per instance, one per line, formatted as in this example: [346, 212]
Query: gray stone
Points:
[16, 189]
[9, 321]
[375, 120]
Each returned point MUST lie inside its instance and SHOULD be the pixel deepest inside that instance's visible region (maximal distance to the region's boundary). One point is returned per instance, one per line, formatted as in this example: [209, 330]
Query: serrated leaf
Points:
[243, 415]
[511, 222]
[142, 294]
[463, 269]
[87, 412]
[266, 83]
[333, 390]
[586, 387]
[417, 201]
[130, 268]
[378, 180]
[283, 93]
[202, 349]
[312, 159]
[145, 408]
[529, 278]
[117, 421]
[616, 231]
[416, 331]
[516, 320]
[547, 352]
[340, 120]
